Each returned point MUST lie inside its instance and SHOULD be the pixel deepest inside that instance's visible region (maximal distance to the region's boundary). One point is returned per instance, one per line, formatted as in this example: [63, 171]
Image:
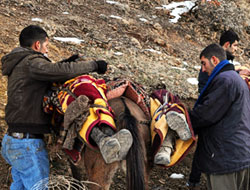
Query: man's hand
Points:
[102, 66]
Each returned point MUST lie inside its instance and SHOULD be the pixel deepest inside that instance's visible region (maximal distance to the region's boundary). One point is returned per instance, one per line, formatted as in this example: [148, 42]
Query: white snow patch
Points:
[185, 63]
[69, 39]
[154, 51]
[193, 81]
[37, 19]
[116, 17]
[178, 8]
[143, 20]
[112, 2]
[182, 69]
[118, 53]
[197, 67]
[176, 176]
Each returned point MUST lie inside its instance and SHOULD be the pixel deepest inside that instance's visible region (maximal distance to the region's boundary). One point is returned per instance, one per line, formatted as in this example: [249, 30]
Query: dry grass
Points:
[61, 182]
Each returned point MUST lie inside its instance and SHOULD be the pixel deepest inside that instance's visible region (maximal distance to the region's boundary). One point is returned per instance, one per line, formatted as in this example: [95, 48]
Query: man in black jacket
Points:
[221, 118]
[30, 74]
[229, 41]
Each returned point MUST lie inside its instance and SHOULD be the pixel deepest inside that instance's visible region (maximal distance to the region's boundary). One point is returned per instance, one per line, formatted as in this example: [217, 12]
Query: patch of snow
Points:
[197, 67]
[143, 20]
[193, 81]
[37, 19]
[182, 69]
[176, 176]
[112, 2]
[118, 53]
[116, 17]
[69, 39]
[185, 63]
[154, 51]
[177, 8]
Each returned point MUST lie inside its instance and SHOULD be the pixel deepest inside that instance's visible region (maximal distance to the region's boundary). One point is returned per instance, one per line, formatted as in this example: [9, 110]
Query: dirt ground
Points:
[138, 41]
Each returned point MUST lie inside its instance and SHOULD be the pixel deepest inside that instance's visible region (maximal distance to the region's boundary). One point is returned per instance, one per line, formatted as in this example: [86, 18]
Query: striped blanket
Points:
[161, 102]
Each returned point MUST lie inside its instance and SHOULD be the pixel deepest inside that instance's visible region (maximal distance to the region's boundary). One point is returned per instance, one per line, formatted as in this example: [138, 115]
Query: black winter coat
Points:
[222, 121]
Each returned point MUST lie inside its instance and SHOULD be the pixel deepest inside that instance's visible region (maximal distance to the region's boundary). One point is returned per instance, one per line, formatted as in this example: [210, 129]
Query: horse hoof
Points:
[177, 122]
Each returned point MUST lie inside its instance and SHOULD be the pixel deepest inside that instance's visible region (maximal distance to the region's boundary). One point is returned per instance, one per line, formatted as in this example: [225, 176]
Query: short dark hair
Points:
[228, 36]
[31, 34]
[214, 50]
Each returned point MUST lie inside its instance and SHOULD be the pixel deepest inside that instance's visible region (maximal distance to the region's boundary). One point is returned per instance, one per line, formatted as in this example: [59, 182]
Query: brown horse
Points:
[127, 115]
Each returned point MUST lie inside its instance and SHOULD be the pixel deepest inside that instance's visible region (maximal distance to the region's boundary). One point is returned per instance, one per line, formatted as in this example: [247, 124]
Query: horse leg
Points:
[98, 171]
[128, 115]
[78, 172]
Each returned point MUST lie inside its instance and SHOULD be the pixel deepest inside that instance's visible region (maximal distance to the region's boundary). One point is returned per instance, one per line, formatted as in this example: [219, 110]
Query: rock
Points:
[136, 43]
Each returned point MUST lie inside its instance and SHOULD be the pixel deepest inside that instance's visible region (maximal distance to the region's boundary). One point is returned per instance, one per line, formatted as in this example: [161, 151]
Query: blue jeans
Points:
[29, 161]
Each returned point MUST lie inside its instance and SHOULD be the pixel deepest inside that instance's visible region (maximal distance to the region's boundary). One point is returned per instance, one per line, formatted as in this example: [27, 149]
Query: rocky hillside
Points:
[141, 39]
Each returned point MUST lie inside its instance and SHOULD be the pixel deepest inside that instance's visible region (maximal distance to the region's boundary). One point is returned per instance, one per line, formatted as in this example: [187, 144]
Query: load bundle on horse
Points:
[86, 103]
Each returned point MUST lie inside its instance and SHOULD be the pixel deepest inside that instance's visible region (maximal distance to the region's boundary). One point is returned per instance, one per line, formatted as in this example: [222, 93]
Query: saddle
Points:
[130, 89]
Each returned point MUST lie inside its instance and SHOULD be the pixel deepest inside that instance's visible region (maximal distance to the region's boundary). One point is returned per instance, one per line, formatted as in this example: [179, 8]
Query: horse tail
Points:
[135, 165]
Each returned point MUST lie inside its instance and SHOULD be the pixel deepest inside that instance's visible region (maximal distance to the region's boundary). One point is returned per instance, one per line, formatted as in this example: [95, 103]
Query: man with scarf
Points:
[229, 41]
[221, 119]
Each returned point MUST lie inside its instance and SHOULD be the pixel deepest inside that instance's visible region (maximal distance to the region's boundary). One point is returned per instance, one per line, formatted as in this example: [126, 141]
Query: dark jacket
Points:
[222, 121]
[30, 74]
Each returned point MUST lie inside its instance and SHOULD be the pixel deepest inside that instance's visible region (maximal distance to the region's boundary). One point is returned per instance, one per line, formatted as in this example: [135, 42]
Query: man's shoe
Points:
[126, 140]
[109, 148]
[193, 186]
[163, 156]
[177, 122]
[116, 147]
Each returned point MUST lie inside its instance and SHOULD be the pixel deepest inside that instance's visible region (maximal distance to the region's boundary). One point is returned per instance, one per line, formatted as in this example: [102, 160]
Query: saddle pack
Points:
[131, 90]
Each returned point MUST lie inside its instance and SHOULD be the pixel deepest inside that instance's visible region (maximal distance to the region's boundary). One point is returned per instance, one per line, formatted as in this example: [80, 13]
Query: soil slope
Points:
[138, 40]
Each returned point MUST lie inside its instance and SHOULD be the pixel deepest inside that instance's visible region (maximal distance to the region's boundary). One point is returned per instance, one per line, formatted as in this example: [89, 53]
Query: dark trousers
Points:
[231, 181]
[195, 175]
